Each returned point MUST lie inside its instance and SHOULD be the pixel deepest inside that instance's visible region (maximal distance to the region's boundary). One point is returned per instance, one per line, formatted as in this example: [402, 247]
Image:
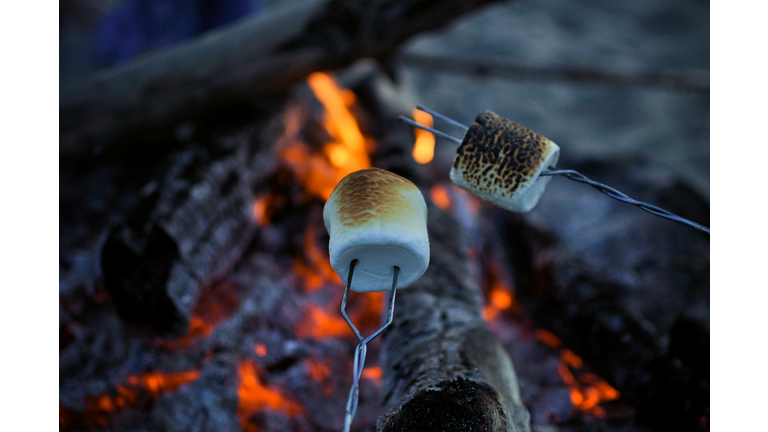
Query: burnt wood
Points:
[626, 291]
[443, 368]
[229, 73]
[189, 228]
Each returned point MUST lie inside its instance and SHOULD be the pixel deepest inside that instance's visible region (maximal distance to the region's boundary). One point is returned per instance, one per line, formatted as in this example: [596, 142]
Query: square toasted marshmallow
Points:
[500, 161]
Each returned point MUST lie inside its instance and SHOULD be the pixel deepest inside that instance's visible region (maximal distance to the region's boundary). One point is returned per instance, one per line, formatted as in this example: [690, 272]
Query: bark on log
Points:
[443, 368]
[228, 72]
[188, 229]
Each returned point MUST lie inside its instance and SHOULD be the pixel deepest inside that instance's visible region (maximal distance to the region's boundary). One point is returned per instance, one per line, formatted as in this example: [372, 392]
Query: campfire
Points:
[257, 343]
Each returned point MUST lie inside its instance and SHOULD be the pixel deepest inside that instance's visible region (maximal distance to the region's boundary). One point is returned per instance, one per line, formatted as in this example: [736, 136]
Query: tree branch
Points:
[227, 73]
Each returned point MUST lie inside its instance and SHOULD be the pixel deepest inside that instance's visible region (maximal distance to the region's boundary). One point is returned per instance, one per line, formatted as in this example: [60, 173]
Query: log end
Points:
[455, 405]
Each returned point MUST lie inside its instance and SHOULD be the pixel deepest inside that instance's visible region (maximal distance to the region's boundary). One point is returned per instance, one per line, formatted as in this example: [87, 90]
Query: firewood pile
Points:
[196, 291]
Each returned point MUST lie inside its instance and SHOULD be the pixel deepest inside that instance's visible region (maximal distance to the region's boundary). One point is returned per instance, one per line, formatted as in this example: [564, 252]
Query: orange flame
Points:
[424, 148]
[339, 121]
[318, 272]
[253, 397]
[347, 150]
[318, 324]
[440, 196]
[317, 177]
[320, 171]
[364, 310]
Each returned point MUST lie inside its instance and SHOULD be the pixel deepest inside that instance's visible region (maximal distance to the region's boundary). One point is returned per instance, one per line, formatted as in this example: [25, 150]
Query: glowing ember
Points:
[440, 196]
[548, 338]
[253, 397]
[142, 388]
[161, 382]
[500, 296]
[318, 370]
[587, 390]
[321, 372]
[373, 373]
[424, 148]
[572, 359]
[260, 210]
[263, 207]
[317, 324]
[215, 305]
[261, 350]
[501, 299]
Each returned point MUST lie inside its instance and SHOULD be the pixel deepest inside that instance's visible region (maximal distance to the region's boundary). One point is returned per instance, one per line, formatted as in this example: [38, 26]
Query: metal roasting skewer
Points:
[428, 129]
[569, 174]
[442, 117]
[361, 350]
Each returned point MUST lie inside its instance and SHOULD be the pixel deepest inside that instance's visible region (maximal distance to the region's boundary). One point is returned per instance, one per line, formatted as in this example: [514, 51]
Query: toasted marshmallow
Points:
[500, 162]
[379, 219]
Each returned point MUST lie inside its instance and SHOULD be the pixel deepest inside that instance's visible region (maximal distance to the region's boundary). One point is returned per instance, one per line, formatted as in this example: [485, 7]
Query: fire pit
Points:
[255, 340]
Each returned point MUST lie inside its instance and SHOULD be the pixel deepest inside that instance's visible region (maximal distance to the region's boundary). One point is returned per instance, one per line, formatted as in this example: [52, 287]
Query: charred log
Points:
[188, 229]
[627, 292]
[443, 368]
[229, 73]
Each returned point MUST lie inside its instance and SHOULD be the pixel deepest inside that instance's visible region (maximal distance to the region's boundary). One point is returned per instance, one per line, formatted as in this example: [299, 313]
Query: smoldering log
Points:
[626, 291]
[188, 229]
[443, 368]
[230, 73]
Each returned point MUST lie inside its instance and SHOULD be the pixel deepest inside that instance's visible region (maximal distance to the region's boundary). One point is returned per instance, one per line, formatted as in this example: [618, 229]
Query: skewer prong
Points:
[442, 117]
[362, 347]
[428, 129]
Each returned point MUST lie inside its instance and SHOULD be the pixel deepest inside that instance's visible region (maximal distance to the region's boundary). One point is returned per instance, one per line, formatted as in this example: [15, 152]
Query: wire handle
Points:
[569, 174]
[613, 193]
[362, 348]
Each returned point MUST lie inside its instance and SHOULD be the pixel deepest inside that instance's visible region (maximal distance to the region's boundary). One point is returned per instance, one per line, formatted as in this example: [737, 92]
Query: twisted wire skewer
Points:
[569, 174]
[613, 193]
[362, 347]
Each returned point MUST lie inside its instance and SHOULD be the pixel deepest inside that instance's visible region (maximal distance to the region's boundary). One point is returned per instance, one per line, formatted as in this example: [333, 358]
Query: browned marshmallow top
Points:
[371, 195]
[514, 152]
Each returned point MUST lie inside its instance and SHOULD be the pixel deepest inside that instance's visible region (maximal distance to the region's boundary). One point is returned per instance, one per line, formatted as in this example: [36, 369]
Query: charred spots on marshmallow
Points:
[500, 151]
[371, 194]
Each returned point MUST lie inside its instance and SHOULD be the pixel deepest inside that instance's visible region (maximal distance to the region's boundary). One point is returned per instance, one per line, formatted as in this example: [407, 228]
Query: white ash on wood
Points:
[189, 228]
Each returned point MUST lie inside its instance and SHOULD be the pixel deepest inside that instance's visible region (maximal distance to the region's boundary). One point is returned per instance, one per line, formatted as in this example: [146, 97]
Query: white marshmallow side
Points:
[527, 195]
[377, 253]
[379, 219]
